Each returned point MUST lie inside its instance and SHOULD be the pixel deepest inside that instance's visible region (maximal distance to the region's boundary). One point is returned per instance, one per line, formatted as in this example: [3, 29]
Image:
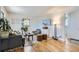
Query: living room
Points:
[43, 28]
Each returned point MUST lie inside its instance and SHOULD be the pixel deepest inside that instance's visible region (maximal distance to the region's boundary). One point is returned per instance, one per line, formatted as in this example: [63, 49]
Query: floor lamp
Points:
[55, 32]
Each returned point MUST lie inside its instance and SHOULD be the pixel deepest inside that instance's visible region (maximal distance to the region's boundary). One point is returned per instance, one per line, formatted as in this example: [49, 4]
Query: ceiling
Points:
[39, 10]
[27, 10]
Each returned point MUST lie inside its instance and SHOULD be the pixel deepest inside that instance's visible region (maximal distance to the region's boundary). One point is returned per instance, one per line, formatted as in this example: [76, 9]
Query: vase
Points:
[4, 34]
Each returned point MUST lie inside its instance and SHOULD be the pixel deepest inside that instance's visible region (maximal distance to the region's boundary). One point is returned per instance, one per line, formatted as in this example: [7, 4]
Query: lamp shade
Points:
[57, 19]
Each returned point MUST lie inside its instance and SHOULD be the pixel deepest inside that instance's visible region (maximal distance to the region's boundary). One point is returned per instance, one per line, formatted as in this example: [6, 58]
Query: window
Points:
[66, 19]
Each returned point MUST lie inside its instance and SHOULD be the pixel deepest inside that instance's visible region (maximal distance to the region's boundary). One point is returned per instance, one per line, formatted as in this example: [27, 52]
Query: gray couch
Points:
[11, 42]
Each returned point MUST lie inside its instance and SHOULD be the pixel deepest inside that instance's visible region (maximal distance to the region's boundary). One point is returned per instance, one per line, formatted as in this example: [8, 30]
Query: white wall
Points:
[15, 22]
[73, 25]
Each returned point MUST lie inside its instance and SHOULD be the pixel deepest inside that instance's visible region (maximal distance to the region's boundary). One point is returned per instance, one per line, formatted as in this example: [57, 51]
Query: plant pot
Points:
[4, 34]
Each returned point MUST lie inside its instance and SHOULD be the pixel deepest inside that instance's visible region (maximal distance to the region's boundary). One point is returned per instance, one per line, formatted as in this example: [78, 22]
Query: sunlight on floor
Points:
[50, 46]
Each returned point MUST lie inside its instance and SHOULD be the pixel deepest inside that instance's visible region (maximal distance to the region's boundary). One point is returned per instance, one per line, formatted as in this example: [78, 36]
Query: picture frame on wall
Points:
[47, 22]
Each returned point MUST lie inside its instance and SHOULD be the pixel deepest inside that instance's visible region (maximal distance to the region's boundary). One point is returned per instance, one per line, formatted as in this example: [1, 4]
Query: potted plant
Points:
[25, 29]
[25, 25]
[4, 28]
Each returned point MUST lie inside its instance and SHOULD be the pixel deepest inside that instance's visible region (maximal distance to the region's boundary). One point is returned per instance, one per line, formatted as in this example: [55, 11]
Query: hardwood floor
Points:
[54, 46]
[18, 49]
[50, 46]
